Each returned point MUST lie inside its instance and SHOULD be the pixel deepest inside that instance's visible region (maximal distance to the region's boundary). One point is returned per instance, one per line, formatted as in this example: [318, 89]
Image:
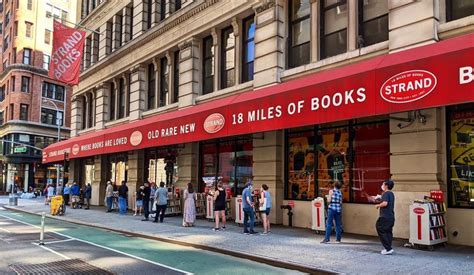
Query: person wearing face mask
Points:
[386, 218]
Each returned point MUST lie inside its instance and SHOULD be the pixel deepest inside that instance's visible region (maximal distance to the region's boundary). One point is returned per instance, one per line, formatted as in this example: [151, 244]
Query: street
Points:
[77, 249]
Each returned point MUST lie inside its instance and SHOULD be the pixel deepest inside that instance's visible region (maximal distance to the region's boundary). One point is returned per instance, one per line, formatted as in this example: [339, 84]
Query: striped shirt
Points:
[336, 200]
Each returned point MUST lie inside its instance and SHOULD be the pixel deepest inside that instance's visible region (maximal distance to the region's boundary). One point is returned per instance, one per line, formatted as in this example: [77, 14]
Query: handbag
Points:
[263, 207]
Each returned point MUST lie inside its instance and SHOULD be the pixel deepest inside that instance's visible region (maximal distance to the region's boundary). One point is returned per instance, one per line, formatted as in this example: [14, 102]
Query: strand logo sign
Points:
[419, 210]
[136, 138]
[408, 86]
[214, 123]
[75, 149]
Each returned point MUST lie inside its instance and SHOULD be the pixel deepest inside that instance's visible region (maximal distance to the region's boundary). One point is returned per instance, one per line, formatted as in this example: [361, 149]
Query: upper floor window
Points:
[47, 36]
[29, 4]
[456, 9]
[1, 27]
[23, 112]
[7, 18]
[15, 28]
[25, 84]
[121, 98]
[228, 58]
[164, 83]
[248, 51]
[373, 22]
[26, 56]
[53, 91]
[2, 93]
[151, 98]
[29, 29]
[176, 77]
[177, 5]
[208, 66]
[149, 14]
[112, 101]
[299, 32]
[2, 118]
[333, 26]
[51, 117]
[63, 16]
[162, 9]
[46, 61]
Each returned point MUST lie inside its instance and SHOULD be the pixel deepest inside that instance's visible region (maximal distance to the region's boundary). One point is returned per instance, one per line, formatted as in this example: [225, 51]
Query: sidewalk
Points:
[357, 254]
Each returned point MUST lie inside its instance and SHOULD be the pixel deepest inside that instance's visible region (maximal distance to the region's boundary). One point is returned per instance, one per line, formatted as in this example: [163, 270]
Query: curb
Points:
[269, 261]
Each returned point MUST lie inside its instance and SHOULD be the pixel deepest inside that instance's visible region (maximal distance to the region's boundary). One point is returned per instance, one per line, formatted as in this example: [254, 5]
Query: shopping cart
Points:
[58, 207]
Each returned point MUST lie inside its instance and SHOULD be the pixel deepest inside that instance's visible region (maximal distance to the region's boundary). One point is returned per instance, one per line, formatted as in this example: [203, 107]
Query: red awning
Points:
[439, 74]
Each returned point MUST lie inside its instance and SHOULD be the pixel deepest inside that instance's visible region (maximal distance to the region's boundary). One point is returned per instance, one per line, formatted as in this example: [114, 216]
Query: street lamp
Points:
[58, 123]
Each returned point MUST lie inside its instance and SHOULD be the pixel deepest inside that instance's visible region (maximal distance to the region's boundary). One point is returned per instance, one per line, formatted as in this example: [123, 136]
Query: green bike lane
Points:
[182, 258]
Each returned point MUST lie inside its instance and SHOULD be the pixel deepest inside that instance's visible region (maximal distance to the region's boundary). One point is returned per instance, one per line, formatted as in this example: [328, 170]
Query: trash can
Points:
[13, 200]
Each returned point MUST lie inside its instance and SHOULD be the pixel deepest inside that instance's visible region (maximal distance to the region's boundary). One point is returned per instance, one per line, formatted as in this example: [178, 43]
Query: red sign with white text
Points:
[431, 76]
[68, 46]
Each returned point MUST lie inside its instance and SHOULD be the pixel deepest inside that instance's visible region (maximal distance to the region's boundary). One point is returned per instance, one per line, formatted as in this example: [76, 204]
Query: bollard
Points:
[42, 229]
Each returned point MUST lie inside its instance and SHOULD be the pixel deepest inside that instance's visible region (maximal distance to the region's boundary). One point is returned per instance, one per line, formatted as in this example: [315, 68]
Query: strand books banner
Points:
[68, 46]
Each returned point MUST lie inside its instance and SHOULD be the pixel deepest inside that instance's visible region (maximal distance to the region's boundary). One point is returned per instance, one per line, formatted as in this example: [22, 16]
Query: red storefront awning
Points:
[435, 75]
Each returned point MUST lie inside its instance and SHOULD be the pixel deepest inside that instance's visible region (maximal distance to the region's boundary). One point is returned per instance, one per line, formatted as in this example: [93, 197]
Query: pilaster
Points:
[187, 161]
[126, 21]
[102, 103]
[135, 173]
[139, 17]
[137, 92]
[117, 32]
[105, 40]
[189, 68]
[76, 113]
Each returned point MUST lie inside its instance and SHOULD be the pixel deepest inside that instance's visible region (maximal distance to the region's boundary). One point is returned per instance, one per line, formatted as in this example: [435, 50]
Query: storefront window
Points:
[461, 156]
[301, 166]
[159, 162]
[118, 168]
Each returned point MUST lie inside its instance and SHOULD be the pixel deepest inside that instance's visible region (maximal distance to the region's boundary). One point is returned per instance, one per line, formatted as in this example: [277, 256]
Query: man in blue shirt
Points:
[247, 205]
[161, 200]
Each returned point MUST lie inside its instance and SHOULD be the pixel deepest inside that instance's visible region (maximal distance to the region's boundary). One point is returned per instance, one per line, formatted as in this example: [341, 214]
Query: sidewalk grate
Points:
[74, 266]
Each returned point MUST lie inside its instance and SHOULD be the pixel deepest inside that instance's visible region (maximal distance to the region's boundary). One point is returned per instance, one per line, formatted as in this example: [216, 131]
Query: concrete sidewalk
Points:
[357, 254]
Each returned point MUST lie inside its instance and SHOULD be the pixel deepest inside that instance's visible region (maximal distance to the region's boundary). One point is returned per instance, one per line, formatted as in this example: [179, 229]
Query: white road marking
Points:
[52, 251]
[60, 241]
[5, 230]
[104, 247]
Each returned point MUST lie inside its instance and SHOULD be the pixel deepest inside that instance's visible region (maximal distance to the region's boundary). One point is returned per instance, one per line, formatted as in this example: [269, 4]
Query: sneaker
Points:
[246, 233]
[223, 228]
[385, 252]
[145, 220]
[215, 229]
[134, 214]
[253, 232]
[264, 233]
[338, 242]
[324, 241]
[155, 221]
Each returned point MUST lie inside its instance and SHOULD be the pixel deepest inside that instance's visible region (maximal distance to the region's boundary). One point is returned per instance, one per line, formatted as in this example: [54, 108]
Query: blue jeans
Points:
[248, 212]
[333, 215]
[109, 203]
[122, 206]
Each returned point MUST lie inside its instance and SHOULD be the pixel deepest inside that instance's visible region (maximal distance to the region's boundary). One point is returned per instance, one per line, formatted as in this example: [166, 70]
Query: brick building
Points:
[30, 102]
[292, 93]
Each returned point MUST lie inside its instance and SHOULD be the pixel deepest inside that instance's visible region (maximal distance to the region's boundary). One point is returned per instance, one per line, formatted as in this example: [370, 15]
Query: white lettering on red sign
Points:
[408, 86]
[466, 75]
[214, 123]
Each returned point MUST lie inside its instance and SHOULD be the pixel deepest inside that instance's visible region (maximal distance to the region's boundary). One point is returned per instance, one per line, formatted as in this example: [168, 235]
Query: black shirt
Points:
[139, 195]
[146, 193]
[123, 189]
[387, 212]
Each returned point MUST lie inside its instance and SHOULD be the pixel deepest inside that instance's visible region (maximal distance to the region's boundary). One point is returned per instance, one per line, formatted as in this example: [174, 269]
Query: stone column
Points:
[352, 26]
[187, 160]
[85, 120]
[189, 68]
[139, 17]
[236, 26]
[105, 40]
[314, 30]
[116, 88]
[76, 113]
[73, 170]
[169, 7]
[269, 43]
[137, 92]
[155, 13]
[136, 160]
[100, 180]
[216, 45]
[403, 22]
[126, 21]
[267, 168]
[102, 103]
[117, 32]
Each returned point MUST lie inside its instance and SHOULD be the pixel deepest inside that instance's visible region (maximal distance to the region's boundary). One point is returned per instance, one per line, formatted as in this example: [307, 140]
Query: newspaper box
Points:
[210, 207]
[239, 210]
[318, 214]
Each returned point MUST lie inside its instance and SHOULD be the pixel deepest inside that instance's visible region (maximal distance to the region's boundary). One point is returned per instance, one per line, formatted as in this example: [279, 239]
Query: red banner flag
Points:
[68, 46]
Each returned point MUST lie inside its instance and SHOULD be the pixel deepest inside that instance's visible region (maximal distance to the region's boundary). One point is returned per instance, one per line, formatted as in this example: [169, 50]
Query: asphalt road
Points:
[108, 252]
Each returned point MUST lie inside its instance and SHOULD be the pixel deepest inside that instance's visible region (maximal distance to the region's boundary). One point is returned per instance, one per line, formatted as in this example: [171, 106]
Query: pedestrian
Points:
[50, 193]
[66, 192]
[146, 201]
[334, 212]
[75, 193]
[265, 198]
[88, 195]
[219, 206]
[189, 213]
[161, 200]
[153, 189]
[123, 196]
[109, 193]
[247, 205]
[139, 201]
[386, 218]
[59, 189]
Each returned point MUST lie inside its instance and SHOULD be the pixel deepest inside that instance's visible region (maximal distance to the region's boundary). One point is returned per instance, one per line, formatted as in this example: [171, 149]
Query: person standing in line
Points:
[334, 212]
[87, 196]
[189, 213]
[247, 205]
[76, 193]
[59, 189]
[139, 201]
[161, 200]
[109, 196]
[123, 196]
[66, 192]
[50, 194]
[153, 189]
[386, 219]
[265, 194]
[219, 206]
[146, 200]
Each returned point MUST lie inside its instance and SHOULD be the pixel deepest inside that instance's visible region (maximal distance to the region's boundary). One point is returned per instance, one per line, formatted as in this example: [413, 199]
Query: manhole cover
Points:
[74, 266]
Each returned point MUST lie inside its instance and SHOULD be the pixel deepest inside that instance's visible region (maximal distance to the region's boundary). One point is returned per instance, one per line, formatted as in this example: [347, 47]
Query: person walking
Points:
[334, 212]
[189, 212]
[146, 200]
[123, 195]
[153, 189]
[66, 192]
[386, 219]
[87, 196]
[109, 195]
[265, 198]
[219, 207]
[76, 193]
[139, 201]
[247, 205]
[161, 200]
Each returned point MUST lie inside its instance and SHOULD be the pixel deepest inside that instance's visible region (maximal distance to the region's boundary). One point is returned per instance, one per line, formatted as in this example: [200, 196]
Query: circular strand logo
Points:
[408, 86]
[214, 123]
[75, 149]
[136, 138]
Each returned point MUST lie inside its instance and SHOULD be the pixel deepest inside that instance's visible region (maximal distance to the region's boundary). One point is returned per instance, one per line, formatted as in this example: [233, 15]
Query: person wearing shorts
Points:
[219, 207]
[139, 201]
[265, 194]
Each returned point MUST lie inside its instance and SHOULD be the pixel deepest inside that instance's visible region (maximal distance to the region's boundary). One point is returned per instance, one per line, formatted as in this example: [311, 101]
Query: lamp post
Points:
[58, 123]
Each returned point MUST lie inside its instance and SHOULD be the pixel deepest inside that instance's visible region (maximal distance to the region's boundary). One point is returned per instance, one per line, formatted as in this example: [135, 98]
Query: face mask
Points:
[381, 187]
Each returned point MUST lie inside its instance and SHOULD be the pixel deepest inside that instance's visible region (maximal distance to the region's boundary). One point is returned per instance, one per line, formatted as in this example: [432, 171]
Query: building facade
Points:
[295, 94]
[31, 103]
